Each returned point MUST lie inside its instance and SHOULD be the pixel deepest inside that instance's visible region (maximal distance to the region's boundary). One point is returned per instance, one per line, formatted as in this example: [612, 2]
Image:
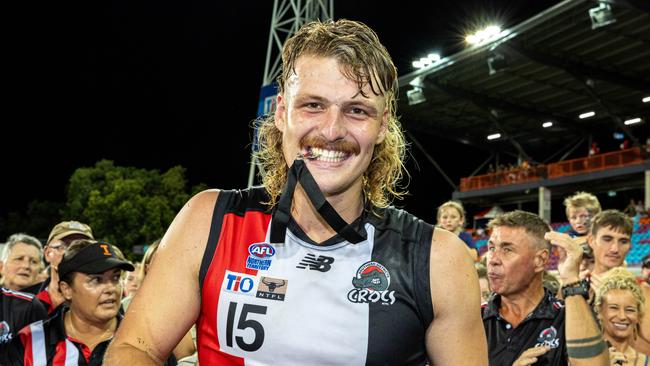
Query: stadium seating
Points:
[640, 242]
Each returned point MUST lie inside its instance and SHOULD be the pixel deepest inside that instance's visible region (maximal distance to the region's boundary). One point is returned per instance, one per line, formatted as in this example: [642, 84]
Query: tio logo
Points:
[241, 284]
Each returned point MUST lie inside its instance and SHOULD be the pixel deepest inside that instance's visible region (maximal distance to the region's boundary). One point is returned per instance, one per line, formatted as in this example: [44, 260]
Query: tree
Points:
[36, 220]
[126, 206]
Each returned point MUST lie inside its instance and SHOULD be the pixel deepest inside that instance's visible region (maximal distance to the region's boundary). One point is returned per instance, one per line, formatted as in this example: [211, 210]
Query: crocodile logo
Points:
[371, 284]
[373, 280]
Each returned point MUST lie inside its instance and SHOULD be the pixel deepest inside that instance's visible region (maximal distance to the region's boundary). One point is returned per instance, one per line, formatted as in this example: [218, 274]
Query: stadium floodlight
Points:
[547, 124]
[433, 57]
[601, 15]
[646, 99]
[632, 121]
[483, 35]
[423, 62]
[587, 114]
[494, 136]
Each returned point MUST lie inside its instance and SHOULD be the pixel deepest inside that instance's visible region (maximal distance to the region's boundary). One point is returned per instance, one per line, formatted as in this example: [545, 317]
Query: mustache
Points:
[339, 145]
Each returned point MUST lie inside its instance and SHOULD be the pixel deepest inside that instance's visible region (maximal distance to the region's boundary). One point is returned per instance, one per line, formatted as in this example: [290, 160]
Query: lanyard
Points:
[282, 214]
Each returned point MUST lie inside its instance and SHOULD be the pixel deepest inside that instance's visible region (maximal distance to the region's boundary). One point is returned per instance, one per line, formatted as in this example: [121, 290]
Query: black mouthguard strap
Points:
[282, 215]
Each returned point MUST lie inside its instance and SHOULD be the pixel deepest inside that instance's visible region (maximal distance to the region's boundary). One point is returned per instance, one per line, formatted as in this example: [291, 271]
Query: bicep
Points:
[168, 301]
[456, 335]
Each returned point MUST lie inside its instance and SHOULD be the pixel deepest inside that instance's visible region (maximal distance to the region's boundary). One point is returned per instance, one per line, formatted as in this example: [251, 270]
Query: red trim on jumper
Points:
[60, 354]
[237, 234]
[19, 295]
[26, 339]
[45, 298]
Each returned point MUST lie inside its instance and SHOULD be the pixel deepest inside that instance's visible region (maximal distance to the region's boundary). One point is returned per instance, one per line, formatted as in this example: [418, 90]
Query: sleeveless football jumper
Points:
[299, 303]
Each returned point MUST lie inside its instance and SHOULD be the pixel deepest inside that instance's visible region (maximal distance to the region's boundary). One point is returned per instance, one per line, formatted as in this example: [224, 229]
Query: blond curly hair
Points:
[365, 61]
[619, 278]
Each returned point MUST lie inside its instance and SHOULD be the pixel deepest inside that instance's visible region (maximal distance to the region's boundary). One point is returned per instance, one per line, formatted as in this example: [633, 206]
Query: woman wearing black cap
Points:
[79, 332]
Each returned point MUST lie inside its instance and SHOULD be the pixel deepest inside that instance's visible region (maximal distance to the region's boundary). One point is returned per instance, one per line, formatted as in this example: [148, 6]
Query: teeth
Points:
[330, 156]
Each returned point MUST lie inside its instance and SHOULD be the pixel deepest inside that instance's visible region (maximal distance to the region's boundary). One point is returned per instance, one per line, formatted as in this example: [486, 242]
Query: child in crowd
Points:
[451, 217]
[580, 209]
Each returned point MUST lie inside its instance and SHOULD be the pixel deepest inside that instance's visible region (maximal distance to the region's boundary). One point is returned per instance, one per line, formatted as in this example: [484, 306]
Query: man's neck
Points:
[515, 308]
[349, 205]
[600, 269]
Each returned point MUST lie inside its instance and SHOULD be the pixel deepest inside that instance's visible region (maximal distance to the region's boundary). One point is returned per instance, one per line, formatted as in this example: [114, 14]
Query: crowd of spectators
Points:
[525, 313]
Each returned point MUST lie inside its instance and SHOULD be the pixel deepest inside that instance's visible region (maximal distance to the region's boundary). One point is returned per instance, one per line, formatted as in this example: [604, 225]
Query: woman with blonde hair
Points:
[619, 306]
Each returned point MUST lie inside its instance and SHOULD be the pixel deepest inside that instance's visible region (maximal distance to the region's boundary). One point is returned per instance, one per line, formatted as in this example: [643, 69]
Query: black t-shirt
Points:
[17, 309]
[543, 326]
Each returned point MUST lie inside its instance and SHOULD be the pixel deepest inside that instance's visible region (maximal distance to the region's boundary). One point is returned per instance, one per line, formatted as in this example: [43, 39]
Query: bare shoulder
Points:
[446, 247]
[201, 203]
[189, 231]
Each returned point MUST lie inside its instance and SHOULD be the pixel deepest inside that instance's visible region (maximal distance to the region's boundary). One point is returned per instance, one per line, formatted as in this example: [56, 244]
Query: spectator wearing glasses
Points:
[60, 237]
[79, 333]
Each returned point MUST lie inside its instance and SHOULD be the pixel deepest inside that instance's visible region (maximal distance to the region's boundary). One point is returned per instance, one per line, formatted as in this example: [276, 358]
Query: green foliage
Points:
[36, 220]
[126, 206]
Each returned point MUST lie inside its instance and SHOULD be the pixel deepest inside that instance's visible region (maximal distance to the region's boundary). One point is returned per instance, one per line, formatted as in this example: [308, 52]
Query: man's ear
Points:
[280, 112]
[591, 241]
[66, 290]
[541, 259]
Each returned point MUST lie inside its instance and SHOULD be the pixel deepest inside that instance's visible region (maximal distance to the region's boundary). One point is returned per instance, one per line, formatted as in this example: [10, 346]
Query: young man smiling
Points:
[315, 267]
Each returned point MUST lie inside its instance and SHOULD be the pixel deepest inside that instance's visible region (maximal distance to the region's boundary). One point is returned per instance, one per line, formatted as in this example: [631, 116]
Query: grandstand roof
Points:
[556, 67]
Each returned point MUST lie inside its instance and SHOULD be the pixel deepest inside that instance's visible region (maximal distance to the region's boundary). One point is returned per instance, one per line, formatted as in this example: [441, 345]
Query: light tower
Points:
[288, 17]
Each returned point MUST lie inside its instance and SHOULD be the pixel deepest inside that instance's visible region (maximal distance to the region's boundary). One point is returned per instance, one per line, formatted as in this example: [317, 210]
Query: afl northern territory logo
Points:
[259, 256]
[371, 285]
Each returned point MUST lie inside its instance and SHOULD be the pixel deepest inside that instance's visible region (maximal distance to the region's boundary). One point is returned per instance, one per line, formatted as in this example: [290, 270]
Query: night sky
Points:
[159, 84]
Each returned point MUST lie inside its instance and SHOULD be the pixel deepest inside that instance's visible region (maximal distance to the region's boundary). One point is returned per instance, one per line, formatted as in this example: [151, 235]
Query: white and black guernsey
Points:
[299, 303]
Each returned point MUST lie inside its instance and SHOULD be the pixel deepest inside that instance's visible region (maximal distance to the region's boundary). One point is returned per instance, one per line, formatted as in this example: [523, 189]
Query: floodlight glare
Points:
[587, 115]
[472, 39]
[494, 136]
[483, 34]
[547, 124]
[434, 57]
[418, 64]
[646, 99]
[632, 121]
[492, 30]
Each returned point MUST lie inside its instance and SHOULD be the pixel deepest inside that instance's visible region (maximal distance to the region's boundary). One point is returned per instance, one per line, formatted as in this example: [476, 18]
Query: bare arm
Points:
[185, 347]
[456, 335]
[168, 302]
[585, 344]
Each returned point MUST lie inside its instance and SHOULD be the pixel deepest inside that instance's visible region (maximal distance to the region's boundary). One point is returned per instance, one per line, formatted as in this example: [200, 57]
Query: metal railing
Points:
[565, 168]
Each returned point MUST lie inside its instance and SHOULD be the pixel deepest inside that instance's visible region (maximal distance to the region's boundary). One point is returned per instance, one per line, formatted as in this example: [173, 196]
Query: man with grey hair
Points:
[21, 261]
[524, 323]
[19, 264]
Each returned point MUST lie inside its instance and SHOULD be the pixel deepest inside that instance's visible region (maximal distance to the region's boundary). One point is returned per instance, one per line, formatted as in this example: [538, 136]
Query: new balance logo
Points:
[322, 263]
